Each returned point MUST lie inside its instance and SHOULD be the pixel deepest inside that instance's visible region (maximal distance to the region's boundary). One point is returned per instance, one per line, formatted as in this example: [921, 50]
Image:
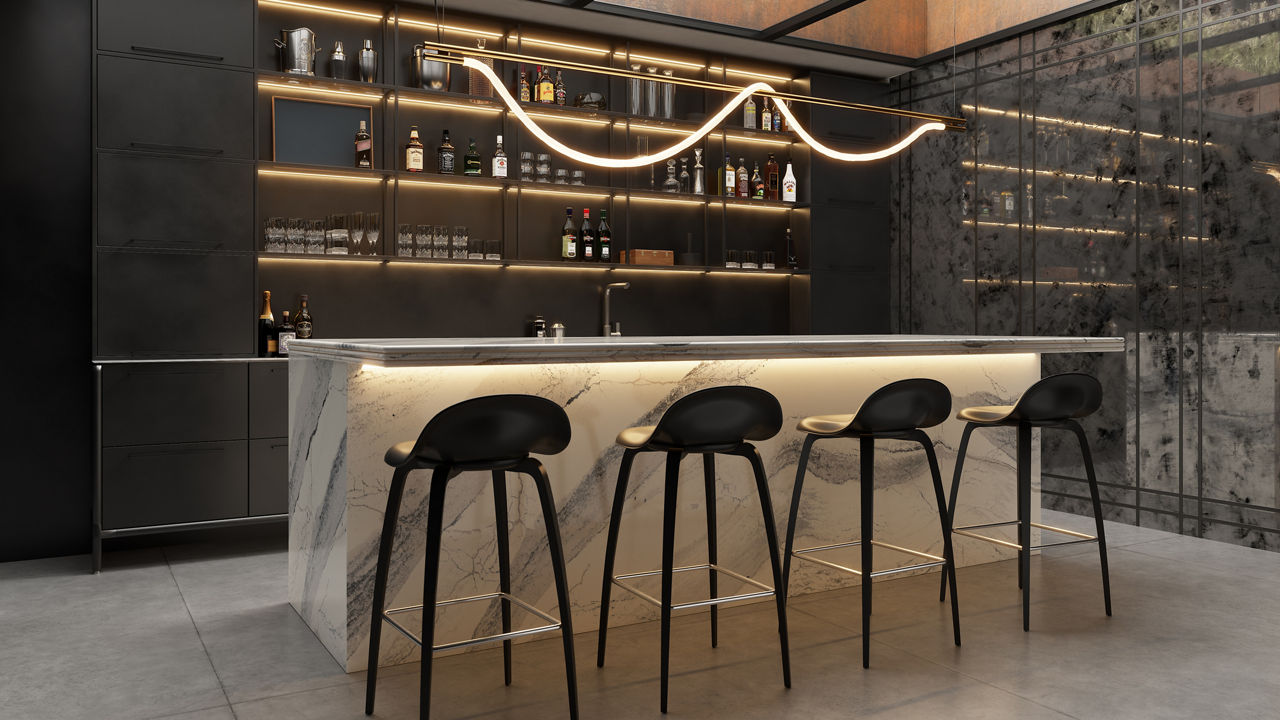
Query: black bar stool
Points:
[715, 420]
[896, 411]
[1054, 402]
[494, 433]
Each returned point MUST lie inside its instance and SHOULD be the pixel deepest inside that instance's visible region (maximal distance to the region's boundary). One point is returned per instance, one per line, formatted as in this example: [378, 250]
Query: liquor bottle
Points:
[792, 261]
[285, 334]
[559, 88]
[728, 179]
[499, 160]
[587, 239]
[789, 185]
[471, 160]
[766, 116]
[684, 175]
[539, 327]
[546, 88]
[267, 337]
[604, 238]
[525, 92]
[771, 179]
[749, 114]
[303, 324]
[445, 155]
[1010, 201]
[1029, 204]
[777, 117]
[568, 237]
[364, 147]
[757, 183]
[744, 180]
[413, 151]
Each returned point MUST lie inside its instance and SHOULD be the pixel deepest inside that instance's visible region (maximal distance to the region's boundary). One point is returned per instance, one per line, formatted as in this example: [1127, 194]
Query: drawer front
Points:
[269, 476]
[173, 402]
[268, 400]
[150, 201]
[154, 304]
[163, 107]
[212, 31]
[164, 484]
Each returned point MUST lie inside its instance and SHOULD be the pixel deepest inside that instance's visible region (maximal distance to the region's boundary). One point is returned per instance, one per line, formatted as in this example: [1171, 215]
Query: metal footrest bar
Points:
[1083, 537]
[934, 560]
[554, 624]
[765, 590]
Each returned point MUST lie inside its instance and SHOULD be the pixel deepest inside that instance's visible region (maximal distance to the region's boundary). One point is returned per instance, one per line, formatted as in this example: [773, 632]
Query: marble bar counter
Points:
[351, 399]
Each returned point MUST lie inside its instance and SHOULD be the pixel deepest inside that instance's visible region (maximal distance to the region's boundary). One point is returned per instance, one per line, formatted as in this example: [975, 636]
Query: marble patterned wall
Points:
[1121, 177]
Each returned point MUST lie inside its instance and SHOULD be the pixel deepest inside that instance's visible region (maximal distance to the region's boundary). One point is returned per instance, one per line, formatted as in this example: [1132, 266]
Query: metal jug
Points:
[298, 50]
[428, 73]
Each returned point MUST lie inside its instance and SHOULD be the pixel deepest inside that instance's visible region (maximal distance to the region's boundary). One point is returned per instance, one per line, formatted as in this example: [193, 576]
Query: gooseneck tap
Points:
[608, 327]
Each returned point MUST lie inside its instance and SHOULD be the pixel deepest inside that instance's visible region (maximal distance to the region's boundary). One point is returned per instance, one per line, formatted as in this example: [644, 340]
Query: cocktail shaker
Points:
[338, 62]
[368, 62]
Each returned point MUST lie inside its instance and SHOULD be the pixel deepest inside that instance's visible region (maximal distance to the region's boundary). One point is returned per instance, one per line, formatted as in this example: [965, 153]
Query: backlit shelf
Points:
[271, 81]
[529, 264]
[320, 172]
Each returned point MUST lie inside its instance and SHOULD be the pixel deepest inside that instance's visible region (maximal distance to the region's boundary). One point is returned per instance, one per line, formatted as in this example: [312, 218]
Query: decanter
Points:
[699, 173]
[684, 174]
[671, 184]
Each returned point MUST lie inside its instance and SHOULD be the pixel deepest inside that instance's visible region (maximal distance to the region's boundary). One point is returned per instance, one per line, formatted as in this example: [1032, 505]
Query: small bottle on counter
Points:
[267, 338]
[538, 328]
[285, 333]
[303, 323]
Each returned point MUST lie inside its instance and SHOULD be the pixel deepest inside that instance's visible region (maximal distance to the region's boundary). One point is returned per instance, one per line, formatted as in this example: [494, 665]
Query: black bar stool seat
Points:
[495, 433]
[1054, 402]
[897, 411]
[717, 420]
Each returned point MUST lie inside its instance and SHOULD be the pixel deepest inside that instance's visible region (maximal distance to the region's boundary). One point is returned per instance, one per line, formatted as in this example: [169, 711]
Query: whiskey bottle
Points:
[285, 334]
[546, 88]
[499, 160]
[766, 116]
[364, 147]
[777, 117]
[471, 160]
[789, 185]
[757, 183]
[728, 179]
[413, 151]
[568, 237]
[525, 92]
[445, 155]
[267, 338]
[303, 324]
[749, 114]
[559, 88]
[771, 179]
[744, 180]
[604, 238]
[587, 239]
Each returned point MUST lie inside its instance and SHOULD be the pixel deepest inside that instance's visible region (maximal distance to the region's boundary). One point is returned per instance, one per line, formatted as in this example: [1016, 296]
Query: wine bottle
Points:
[744, 180]
[546, 88]
[771, 179]
[267, 338]
[303, 323]
[568, 237]
[757, 183]
[499, 160]
[789, 185]
[728, 178]
[284, 334]
[604, 237]
[766, 115]
[587, 239]
[471, 160]
[525, 91]
[559, 88]
[445, 156]
[749, 114]
[364, 147]
[413, 152]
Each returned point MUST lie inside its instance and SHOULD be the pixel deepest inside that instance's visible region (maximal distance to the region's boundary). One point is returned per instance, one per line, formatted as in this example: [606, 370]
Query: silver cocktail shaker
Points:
[338, 62]
[368, 62]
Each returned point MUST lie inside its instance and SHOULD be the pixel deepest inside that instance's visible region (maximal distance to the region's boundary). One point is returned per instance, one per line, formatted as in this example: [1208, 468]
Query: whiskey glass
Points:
[440, 242]
[460, 240]
[315, 236]
[295, 235]
[404, 240]
[274, 233]
[422, 242]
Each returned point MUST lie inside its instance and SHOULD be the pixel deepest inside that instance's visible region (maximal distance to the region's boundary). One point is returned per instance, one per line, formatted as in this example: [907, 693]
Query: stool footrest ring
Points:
[765, 590]
[934, 560]
[1081, 537]
[553, 623]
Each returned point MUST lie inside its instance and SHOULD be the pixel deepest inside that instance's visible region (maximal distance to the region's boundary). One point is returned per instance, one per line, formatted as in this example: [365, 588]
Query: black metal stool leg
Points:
[771, 535]
[431, 575]
[709, 480]
[611, 549]
[1097, 511]
[389, 519]
[1024, 520]
[867, 480]
[949, 569]
[668, 561]
[539, 474]
[951, 507]
[794, 515]
[504, 564]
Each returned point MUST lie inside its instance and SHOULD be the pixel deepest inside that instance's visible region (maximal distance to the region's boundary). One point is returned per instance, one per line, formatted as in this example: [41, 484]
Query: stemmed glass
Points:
[355, 228]
[372, 232]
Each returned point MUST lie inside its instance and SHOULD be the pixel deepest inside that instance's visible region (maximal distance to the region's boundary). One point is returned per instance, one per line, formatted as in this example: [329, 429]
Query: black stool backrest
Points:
[1057, 397]
[904, 405]
[495, 427]
[719, 416]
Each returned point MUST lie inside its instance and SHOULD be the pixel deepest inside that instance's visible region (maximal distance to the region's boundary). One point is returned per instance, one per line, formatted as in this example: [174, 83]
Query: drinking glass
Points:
[526, 166]
[295, 235]
[731, 259]
[460, 238]
[422, 242]
[274, 230]
[372, 232]
[493, 249]
[543, 167]
[749, 260]
[337, 242]
[315, 236]
[440, 242]
[475, 249]
[355, 229]
[404, 240]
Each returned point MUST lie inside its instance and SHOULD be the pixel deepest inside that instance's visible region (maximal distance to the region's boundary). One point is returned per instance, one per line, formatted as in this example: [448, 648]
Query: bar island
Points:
[351, 399]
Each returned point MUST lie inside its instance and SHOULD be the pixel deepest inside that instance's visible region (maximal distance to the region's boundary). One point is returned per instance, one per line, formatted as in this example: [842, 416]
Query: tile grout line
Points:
[199, 636]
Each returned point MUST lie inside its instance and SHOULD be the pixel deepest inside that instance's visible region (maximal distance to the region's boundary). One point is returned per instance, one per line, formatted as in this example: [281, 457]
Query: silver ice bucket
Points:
[427, 73]
[298, 50]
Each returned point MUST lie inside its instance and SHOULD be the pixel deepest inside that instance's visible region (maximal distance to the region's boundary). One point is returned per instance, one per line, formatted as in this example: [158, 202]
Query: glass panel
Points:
[751, 15]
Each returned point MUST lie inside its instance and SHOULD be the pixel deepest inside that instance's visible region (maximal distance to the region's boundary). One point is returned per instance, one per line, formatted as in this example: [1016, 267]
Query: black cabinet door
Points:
[268, 399]
[156, 304]
[171, 108]
[152, 201]
[164, 484]
[269, 476]
[173, 402]
[213, 31]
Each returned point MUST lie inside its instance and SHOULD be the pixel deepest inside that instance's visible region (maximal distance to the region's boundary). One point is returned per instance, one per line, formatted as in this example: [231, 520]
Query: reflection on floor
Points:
[201, 633]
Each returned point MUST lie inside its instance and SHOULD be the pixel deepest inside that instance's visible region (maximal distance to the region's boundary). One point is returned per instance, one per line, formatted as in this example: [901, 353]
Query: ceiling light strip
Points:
[299, 87]
[319, 175]
[310, 7]
[452, 105]
[451, 28]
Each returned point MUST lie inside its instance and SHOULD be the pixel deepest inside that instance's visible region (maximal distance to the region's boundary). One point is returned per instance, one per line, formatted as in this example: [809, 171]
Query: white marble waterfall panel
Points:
[383, 406]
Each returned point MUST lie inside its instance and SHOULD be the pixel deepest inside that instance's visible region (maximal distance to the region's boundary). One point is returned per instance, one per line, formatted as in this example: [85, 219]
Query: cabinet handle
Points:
[279, 445]
[189, 451]
[212, 244]
[176, 53]
[177, 148]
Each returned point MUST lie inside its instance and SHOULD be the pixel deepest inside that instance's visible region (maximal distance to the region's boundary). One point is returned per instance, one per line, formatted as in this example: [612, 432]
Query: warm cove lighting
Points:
[692, 138]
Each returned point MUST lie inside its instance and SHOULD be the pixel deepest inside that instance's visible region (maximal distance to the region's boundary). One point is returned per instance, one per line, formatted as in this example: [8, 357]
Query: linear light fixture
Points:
[559, 44]
[327, 9]
[451, 28]
[749, 73]
[660, 60]
[1068, 176]
[452, 185]
[1074, 123]
[759, 140]
[1063, 283]
[319, 175]
[299, 87]
[567, 266]
[752, 205]
[565, 191]
[450, 104]
[669, 201]
[1058, 228]
[571, 118]
[749, 273]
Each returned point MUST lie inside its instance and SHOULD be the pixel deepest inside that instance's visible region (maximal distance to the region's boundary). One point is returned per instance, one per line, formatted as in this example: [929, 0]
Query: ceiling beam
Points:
[821, 11]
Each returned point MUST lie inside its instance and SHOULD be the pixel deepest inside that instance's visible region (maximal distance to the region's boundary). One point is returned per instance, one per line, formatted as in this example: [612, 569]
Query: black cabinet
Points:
[269, 400]
[173, 402]
[171, 202]
[213, 31]
[173, 108]
[269, 476]
[148, 485]
[174, 304]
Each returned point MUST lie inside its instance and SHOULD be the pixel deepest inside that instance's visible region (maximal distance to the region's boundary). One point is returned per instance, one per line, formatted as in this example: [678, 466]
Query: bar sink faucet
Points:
[611, 329]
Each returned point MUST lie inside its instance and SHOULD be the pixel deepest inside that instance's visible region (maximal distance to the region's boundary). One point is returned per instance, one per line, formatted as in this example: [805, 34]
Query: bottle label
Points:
[282, 346]
[546, 92]
[363, 145]
[604, 252]
[446, 162]
[500, 167]
[413, 159]
[789, 190]
[273, 346]
[730, 182]
[569, 245]
[303, 328]
[586, 251]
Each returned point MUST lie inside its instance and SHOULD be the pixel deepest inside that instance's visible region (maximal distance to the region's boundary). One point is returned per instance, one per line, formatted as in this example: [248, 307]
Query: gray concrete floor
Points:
[206, 633]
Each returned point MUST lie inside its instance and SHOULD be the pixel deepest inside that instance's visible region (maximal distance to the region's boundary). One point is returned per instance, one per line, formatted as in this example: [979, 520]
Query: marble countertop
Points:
[401, 352]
